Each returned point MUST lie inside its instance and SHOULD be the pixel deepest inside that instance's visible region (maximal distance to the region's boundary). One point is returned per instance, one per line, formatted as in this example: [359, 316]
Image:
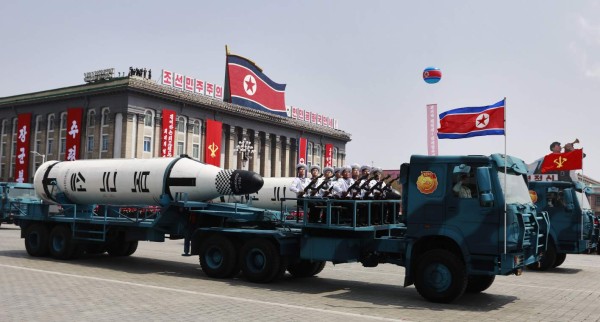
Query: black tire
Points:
[305, 268]
[261, 262]
[61, 242]
[560, 259]
[218, 257]
[548, 258]
[440, 276]
[37, 240]
[95, 249]
[479, 283]
[122, 248]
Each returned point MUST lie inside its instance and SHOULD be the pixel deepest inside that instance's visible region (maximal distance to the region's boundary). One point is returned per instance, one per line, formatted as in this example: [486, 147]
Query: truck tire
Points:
[479, 283]
[122, 248]
[218, 257]
[37, 240]
[305, 268]
[548, 258]
[440, 276]
[560, 258]
[261, 262]
[61, 242]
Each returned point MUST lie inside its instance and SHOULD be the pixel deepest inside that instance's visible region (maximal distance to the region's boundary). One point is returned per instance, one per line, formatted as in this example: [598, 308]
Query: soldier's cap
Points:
[376, 169]
[337, 169]
[365, 167]
[301, 165]
[312, 167]
[355, 166]
[327, 169]
[347, 168]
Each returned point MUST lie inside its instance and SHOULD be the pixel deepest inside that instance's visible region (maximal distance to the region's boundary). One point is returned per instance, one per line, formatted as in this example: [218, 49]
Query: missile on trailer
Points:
[273, 192]
[139, 181]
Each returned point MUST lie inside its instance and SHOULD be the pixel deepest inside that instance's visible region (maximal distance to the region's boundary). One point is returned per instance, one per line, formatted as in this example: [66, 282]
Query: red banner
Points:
[302, 151]
[432, 139]
[22, 153]
[565, 161]
[328, 155]
[74, 119]
[168, 133]
[212, 153]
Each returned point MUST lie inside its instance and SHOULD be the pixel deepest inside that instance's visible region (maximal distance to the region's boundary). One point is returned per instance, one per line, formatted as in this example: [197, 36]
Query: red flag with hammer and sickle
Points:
[563, 161]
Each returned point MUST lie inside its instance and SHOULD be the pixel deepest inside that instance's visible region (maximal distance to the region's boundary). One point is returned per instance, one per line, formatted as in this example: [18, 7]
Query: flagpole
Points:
[505, 186]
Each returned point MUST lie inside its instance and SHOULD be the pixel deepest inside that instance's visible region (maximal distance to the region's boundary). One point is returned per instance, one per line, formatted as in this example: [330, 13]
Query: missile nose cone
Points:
[238, 182]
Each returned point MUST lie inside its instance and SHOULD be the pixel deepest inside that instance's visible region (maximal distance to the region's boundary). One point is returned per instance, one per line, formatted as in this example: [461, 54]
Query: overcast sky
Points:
[358, 61]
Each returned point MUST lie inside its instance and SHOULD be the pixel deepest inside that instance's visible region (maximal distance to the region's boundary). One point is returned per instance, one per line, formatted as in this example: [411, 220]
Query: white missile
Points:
[139, 181]
[270, 196]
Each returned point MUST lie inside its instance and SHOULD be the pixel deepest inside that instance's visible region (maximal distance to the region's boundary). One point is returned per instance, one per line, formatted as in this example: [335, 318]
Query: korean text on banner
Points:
[328, 155]
[22, 153]
[168, 133]
[432, 139]
[302, 151]
[74, 128]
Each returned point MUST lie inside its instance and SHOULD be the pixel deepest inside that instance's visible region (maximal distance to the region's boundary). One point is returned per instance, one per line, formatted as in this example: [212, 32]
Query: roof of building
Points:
[150, 87]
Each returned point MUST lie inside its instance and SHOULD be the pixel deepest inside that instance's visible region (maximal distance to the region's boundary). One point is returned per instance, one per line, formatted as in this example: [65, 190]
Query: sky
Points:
[360, 62]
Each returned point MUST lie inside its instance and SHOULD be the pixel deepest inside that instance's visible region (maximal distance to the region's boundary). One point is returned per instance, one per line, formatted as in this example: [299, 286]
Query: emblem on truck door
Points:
[533, 196]
[427, 182]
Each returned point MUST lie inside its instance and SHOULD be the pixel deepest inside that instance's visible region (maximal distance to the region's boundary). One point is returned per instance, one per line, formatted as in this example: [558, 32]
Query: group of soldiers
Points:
[348, 182]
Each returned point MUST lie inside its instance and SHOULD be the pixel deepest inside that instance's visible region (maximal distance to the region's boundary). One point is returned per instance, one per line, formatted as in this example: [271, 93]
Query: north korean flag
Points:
[246, 85]
[466, 122]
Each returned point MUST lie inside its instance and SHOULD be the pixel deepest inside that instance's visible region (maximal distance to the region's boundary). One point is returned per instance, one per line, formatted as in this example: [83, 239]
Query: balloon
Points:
[432, 75]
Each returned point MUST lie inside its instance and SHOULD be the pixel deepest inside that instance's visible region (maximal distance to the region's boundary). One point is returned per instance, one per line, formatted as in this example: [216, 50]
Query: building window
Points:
[51, 123]
[309, 155]
[147, 144]
[148, 119]
[63, 145]
[105, 116]
[91, 121]
[181, 125]
[104, 142]
[335, 157]
[597, 201]
[49, 146]
[180, 148]
[196, 151]
[38, 145]
[4, 126]
[90, 143]
[63, 121]
[196, 128]
[38, 121]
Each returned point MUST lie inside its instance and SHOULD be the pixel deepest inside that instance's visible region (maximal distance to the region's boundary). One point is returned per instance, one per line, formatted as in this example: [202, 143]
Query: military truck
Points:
[571, 220]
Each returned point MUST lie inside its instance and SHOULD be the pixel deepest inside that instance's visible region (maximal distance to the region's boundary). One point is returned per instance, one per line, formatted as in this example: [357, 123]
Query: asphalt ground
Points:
[158, 284]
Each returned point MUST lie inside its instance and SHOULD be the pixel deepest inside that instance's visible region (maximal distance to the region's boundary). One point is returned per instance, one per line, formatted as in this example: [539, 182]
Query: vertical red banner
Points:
[168, 133]
[212, 154]
[328, 155]
[22, 152]
[302, 151]
[432, 139]
[73, 147]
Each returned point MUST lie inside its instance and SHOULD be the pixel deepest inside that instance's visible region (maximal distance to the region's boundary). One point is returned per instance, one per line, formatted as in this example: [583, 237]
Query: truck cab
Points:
[494, 229]
[571, 218]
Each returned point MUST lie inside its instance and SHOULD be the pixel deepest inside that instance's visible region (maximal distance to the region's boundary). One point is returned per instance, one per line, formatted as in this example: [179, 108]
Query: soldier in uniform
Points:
[355, 171]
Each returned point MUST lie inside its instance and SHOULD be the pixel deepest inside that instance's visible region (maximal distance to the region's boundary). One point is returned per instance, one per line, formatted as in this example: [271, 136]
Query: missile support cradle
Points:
[443, 243]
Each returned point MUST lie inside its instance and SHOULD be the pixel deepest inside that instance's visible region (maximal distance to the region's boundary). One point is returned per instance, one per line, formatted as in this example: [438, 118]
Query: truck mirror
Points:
[483, 180]
[403, 173]
[486, 199]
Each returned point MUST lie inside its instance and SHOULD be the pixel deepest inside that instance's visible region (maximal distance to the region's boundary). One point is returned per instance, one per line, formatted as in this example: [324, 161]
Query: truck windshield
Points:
[585, 204]
[516, 190]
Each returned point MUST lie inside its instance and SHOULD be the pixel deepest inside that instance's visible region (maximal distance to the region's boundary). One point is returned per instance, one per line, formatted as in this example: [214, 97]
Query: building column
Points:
[285, 144]
[293, 157]
[276, 156]
[267, 155]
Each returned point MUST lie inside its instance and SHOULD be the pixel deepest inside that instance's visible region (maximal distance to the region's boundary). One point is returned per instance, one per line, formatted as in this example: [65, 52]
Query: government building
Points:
[122, 117]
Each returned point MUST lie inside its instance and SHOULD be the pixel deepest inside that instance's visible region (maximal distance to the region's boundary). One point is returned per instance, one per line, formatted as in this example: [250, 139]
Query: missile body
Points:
[138, 181]
[269, 196]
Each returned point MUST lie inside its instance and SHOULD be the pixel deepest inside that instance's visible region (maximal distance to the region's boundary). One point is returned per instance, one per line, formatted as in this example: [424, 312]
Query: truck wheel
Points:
[95, 249]
[61, 242]
[122, 248]
[560, 258]
[218, 257]
[548, 258]
[479, 283]
[36, 240]
[261, 262]
[440, 276]
[306, 268]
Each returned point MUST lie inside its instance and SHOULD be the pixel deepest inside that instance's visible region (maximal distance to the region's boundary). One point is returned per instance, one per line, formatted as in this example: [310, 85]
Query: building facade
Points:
[122, 118]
